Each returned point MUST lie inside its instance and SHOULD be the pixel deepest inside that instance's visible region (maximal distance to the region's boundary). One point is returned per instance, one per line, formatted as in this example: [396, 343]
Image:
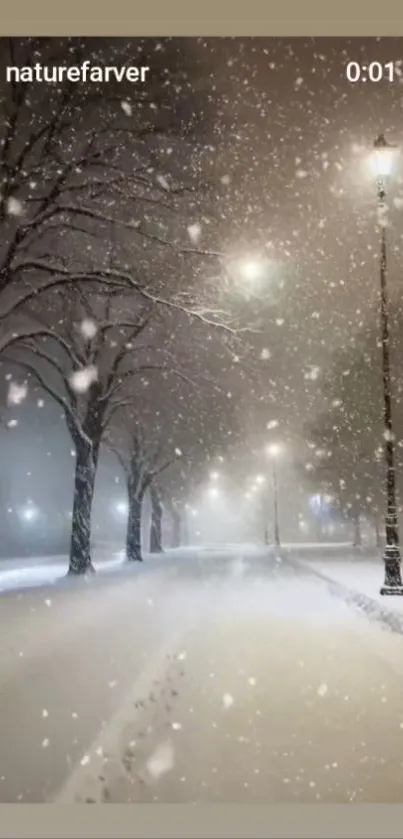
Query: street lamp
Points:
[251, 269]
[121, 507]
[273, 450]
[383, 159]
[29, 513]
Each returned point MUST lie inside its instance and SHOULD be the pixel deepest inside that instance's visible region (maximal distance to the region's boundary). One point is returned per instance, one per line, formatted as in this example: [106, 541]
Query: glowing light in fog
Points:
[121, 507]
[273, 449]
[29, 513]
[383, 158]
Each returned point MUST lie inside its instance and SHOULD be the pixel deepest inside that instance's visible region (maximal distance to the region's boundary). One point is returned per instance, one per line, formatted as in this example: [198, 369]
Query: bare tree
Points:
[88, 368]
[142, 461]
[157, 508]
[74, 163]
[74, 181]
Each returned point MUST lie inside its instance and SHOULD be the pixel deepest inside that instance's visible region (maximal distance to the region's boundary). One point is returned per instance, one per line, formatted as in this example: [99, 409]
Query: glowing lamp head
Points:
[383, 157]
[121, 507]
[251, 270]
[29, 513]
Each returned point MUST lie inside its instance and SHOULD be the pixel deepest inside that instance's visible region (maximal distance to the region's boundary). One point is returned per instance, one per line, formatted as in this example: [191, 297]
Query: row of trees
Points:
[103, 303]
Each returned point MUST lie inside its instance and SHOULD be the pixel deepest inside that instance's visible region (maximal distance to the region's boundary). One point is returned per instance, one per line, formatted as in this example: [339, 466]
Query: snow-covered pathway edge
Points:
[359, 601]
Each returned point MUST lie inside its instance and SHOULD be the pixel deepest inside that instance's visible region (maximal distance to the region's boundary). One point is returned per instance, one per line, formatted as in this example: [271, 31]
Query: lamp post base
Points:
[390, 590]
[393, 581]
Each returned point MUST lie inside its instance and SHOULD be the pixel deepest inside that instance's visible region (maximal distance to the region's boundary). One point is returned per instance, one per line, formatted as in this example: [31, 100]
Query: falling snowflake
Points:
[178, 452]
[176, 726]
[252, 681]
[12, 423]
[272, 424]
[40, 403]
[226, 179]
[45, 713]
[81, 380]
[301, 173]
[265, 354]
[126, 107]
[163, 182]
[45, 743]
[322, 689]
[227, 700]
[88, 328]
[194, 231]
[85, 760]
[312, 374]
[14, 207]
[161, 761]
[16, 393]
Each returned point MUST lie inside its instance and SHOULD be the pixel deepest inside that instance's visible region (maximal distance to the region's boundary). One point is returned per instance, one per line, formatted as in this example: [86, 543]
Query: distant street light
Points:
[121, 507]
[249, 272]
[273, 450]
[251, 269]
[383, 159]
[29, 513]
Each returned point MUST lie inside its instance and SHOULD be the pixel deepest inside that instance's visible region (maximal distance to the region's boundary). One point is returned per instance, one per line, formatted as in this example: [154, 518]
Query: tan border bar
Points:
[223, 821]
[181, 18]
[209, 17]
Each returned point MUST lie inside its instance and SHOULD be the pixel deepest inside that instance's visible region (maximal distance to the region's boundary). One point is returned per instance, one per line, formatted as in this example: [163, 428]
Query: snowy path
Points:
[230, 678]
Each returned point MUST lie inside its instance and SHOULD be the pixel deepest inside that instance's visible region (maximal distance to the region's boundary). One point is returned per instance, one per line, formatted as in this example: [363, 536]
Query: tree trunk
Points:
[185, 527]
[84, 482]
[133, 535]
[156, 521]
[357, 531]
[176, 526]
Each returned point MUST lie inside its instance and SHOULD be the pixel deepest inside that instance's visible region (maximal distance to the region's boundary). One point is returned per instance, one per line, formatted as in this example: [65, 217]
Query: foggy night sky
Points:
[285, 130]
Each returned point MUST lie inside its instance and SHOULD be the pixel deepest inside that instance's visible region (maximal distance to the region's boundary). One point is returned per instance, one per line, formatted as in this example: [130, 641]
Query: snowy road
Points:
[227, 678]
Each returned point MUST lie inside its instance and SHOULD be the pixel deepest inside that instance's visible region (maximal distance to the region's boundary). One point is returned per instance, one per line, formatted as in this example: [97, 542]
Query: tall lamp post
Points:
[273, 451]
[384, 155]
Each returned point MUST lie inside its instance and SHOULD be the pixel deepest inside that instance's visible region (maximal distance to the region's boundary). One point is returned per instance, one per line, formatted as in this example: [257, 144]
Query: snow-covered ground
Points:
[362, 574]
[50, 571]
[208, 675]
[276, 692]
[25, 573]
